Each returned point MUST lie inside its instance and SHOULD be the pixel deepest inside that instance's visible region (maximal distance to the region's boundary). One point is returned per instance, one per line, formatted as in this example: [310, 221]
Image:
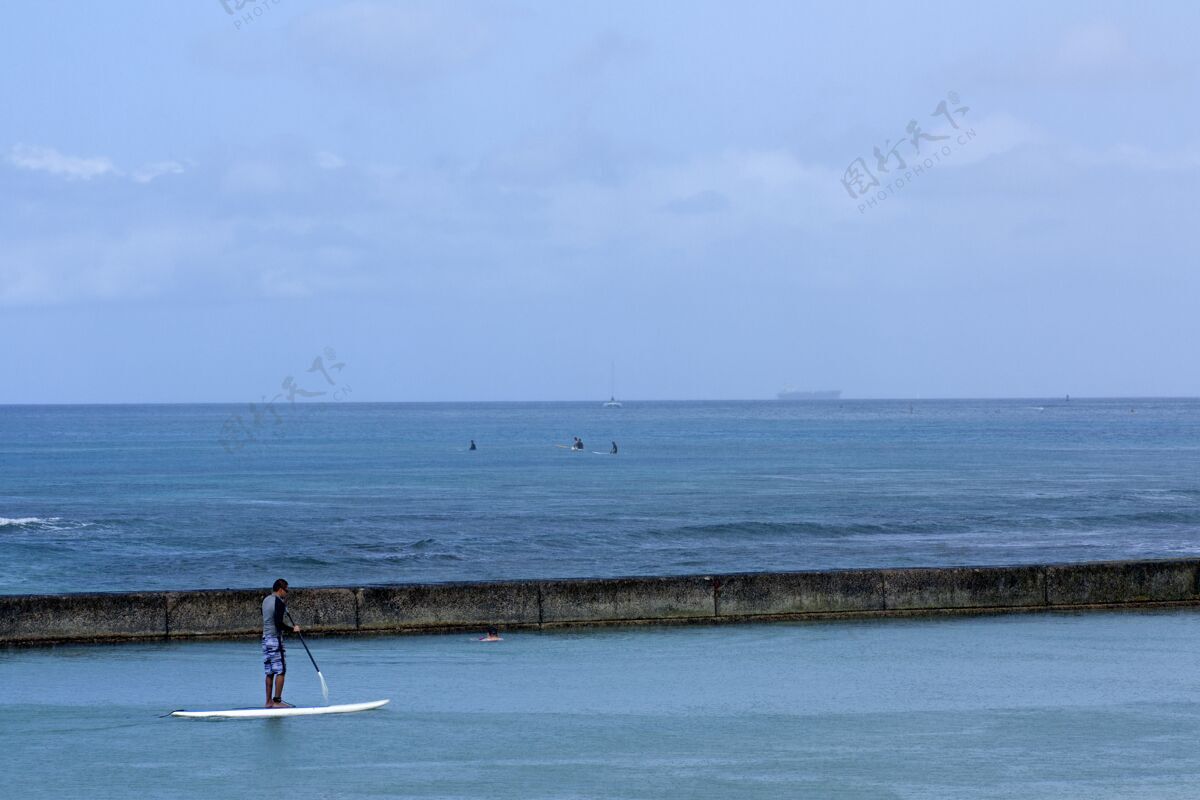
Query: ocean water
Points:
[196, 496]
[1099, 706]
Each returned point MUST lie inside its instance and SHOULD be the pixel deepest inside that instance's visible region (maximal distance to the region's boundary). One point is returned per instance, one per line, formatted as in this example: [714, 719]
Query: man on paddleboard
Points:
[274, 660]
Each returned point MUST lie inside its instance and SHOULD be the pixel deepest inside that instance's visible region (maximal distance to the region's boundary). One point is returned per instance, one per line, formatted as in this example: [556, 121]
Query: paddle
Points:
[324, 686]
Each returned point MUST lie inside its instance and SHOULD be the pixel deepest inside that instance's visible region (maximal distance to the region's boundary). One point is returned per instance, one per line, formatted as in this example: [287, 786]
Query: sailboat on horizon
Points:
[612, 402]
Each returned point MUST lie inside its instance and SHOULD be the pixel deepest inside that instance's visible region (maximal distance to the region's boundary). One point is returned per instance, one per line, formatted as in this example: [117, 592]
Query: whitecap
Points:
[22, 521]
[40, 524]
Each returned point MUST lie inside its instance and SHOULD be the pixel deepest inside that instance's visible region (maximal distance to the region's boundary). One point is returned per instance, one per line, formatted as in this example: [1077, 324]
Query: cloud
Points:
[1138, 157]
[1095, 48]
[281, 282]
[389, 41]
[148, 172]
[1102, 54]
[995, 134]
[137, 262]
[253, 177]
[37, 158]
[1094, 55]
[606, 49]
[47, 159]
[737, 191]
[705, 202]
[326, 160]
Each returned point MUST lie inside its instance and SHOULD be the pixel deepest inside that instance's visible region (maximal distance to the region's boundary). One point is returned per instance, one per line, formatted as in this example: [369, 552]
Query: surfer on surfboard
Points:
[578, 444]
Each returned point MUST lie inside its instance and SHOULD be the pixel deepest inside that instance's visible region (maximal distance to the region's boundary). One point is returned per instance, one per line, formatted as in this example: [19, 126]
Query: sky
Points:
[521, 200]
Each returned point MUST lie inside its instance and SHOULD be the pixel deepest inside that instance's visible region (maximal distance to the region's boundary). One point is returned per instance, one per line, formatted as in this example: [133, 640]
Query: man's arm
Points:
[280, 625]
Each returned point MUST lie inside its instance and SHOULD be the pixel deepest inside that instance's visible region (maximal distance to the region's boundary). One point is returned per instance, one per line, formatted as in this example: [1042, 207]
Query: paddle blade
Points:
[324, 687]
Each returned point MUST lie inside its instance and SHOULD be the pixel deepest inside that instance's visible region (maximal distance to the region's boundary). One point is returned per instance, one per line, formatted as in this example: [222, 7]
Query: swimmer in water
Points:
[493, 635]
[472, 447]
[614, 450]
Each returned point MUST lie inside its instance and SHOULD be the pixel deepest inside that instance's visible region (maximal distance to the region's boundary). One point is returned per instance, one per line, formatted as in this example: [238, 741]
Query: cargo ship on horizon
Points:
[825, 394]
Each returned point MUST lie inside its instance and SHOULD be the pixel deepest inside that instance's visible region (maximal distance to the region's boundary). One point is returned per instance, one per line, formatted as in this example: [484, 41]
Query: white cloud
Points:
[390, 41]
[37, 158]
[995, 134]
[757, 189]
[280, 282]
[47, 159]
[253, 177]
[326, 160]
[1096, 47]
[136, 263]
[1137, 157]
[149, 172]
[607, 48]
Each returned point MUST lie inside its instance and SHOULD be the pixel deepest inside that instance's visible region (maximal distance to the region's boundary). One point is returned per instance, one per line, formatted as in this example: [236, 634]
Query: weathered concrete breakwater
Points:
[423, 608]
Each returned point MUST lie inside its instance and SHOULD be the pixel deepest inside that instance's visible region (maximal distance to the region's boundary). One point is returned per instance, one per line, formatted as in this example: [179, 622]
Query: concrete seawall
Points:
[742, 597]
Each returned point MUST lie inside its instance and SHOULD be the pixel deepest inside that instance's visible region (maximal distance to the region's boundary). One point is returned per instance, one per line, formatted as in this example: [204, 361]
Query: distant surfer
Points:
[492, 635]
[578, 444]
[614, 450]
[274, 606]
[472, 447]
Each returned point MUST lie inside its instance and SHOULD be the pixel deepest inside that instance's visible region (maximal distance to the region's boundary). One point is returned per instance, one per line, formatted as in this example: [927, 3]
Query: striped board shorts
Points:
[274, 662]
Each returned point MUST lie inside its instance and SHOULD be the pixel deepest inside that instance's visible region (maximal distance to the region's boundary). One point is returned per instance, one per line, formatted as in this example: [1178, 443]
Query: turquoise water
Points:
[1065, 706]
[144, 497]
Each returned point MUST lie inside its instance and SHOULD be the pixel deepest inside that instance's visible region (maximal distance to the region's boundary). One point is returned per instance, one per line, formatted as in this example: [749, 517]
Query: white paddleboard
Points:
[255, 713]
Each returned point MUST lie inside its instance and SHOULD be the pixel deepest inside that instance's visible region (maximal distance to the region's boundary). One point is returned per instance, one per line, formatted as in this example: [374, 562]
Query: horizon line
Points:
[1058, 398]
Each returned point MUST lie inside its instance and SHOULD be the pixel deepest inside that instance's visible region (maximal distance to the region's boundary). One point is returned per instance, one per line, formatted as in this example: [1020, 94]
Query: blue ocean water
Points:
[195, 496]
[1096, 707]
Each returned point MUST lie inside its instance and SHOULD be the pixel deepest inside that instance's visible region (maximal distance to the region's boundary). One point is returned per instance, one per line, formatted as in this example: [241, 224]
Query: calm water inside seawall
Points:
[1062, 706]
[175, 496]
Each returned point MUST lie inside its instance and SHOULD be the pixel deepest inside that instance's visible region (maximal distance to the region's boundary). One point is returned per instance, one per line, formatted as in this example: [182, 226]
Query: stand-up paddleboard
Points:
[256, 713]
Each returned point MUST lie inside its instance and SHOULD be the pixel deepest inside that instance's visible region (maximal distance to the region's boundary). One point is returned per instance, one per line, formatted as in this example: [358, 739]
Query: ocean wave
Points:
[421, 544]
[752, 528]
[24, 521]
[1153, 517]
[50, 524]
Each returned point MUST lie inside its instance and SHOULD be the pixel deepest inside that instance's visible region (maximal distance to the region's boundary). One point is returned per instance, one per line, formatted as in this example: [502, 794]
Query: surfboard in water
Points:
[256, 713]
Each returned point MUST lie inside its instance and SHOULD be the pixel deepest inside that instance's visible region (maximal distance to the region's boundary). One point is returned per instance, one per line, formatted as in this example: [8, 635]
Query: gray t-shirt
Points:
[273, 624]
